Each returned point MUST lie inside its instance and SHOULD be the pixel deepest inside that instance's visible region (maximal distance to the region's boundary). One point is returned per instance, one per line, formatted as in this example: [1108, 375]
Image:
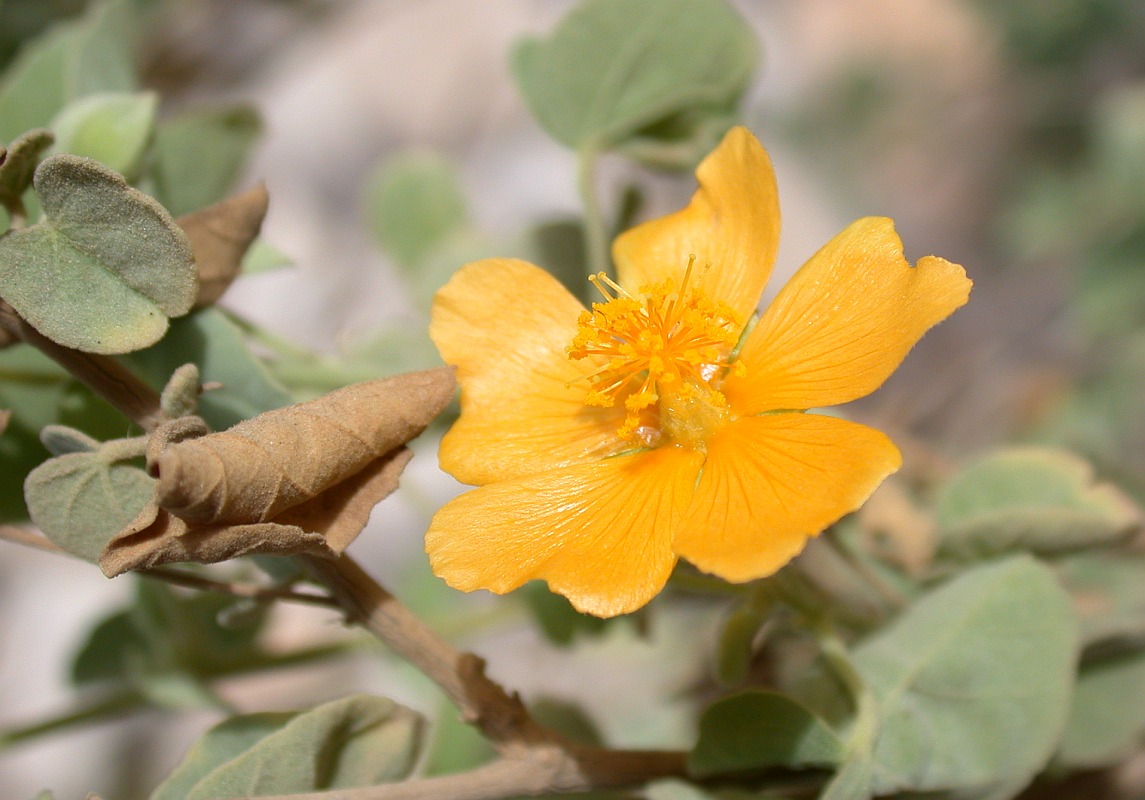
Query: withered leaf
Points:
[220, 235]
[4, 417]
[301, 479]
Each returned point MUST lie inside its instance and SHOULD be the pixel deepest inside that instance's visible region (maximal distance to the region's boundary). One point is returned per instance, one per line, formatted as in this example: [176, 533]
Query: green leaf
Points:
[112, 128]
[210, 340]
[1035, 499]
[614, 67]
[356, 741]
[19, 164]
[973, 682]
[199, 155]
[1104, 726]
[754, 730]
[81, 500]
[413, 203]
[70, 60]
[105, 267]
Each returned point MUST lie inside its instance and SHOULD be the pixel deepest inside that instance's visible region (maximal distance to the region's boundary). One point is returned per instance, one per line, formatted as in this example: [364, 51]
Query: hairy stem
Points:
[103, 375]
[501, 717]
[595, 226]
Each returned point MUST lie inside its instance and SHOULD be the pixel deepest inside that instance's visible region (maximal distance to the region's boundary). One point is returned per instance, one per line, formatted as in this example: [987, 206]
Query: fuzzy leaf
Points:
[754, 730]
[1035, 499]
[82, 499]
[298, 479]
[112, 128]
[18, 164]
[973, 682]
[198, 155]
[220, 236]
[356, 741]
[614, 67]
[105, 267]
[180, 396]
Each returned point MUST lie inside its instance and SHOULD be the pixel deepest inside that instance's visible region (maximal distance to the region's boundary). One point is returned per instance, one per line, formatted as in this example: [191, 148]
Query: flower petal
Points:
[844, 322]
[599, 533]
[771, 482]
[505, 325]
[731, 227]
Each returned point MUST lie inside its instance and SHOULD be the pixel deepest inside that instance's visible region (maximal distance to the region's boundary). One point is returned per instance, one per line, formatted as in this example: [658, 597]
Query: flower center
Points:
[668, 350]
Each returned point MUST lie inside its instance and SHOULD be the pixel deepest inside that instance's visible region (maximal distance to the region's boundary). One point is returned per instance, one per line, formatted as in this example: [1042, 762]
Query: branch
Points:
[29, 539]
[483, 702]
[102, 374]
[236, 589]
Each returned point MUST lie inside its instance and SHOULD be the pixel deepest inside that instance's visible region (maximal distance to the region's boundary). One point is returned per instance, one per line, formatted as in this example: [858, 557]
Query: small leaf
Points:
[356, 741]
[973, 682]
[112, 128]
[614, 67]
[180, 396]
[104, 269]
[81, 500]
[19, 164]
[198, 155]
[1035, 499]
[220, 236]
[1104, 726]
[754, 730]
[413, 203]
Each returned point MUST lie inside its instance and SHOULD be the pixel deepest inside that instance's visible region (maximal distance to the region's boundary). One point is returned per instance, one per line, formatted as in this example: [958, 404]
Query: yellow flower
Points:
[608, 443]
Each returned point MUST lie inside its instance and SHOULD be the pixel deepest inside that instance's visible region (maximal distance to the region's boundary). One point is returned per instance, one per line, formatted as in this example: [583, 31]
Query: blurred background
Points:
[1005, 135]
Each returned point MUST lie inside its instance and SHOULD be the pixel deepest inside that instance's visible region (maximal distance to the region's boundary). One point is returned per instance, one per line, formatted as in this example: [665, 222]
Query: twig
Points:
[537, 771]
[237, 589]
[29, 539]
[102, 374]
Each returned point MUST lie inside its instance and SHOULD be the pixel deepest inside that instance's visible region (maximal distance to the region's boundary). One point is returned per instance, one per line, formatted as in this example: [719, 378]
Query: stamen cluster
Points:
[667, 342]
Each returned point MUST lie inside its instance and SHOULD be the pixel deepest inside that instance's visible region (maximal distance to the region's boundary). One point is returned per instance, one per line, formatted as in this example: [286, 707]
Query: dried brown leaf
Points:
[156, 537]
[220, 235]
[4, 417]
[301, 479]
